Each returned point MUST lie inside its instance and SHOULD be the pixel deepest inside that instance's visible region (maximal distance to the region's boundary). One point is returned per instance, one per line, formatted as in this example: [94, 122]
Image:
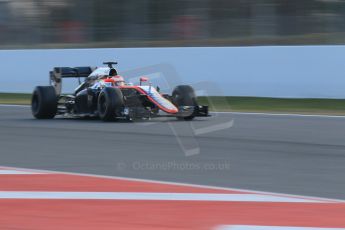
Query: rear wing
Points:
[58, 73]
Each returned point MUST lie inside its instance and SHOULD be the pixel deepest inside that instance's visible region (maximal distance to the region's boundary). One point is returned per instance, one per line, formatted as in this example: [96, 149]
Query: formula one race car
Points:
[106, 95]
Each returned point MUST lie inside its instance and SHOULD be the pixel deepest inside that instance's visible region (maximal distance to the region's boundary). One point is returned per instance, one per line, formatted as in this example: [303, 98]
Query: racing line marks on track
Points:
[37, 199]
[167, 183]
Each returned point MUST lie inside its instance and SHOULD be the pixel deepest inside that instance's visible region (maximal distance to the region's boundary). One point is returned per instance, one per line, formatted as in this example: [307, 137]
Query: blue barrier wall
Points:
[294, 71]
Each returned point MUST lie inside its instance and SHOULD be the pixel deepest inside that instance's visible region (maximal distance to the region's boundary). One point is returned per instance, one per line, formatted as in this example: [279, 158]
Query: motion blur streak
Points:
[104, 23]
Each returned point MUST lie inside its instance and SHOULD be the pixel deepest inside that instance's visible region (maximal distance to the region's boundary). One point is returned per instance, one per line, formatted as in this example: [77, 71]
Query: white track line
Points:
[281, 114]
[150, 196]
[315, 199]
[236, 113]
[18, 106]
[16, 172]
[244, 227]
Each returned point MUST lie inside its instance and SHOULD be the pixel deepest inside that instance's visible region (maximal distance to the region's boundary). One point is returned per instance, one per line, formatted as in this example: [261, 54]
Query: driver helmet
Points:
[112, 72]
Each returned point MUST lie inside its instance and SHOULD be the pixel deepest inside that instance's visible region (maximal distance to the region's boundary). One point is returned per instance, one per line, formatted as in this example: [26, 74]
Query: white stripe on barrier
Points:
[151, 196]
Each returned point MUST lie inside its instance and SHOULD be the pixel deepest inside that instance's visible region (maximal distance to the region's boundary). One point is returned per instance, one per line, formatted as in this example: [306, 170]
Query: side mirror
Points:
[143, 79]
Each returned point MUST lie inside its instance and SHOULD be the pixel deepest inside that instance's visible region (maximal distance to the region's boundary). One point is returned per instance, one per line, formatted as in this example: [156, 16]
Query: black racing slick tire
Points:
[110, 103]
[184, 95]
[44, 102]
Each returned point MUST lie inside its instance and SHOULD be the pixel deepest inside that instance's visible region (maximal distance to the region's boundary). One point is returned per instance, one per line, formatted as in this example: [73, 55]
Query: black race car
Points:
[106, 95]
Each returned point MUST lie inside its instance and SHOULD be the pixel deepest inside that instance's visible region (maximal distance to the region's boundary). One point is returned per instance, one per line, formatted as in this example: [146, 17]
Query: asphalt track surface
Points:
[303, 155]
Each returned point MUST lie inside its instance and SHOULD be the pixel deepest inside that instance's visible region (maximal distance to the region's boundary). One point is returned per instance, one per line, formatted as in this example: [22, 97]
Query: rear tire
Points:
[110, 102]
[44, 102]
[184, 95]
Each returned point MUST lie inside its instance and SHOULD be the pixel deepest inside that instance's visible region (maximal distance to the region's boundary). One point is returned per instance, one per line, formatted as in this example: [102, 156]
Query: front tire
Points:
[44, 102]
[110, 102]
[184, 95]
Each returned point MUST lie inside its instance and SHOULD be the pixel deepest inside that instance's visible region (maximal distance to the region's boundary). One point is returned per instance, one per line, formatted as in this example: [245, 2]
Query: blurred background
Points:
[149, 23]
